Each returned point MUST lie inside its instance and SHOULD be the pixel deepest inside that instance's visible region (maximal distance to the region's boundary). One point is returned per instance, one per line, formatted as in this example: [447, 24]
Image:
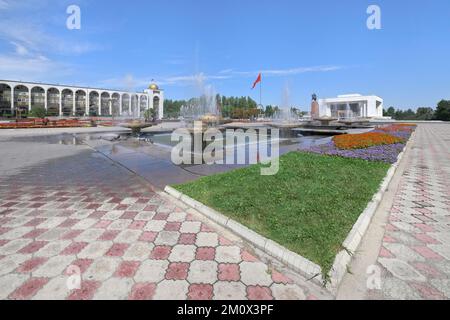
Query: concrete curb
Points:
[293, 260]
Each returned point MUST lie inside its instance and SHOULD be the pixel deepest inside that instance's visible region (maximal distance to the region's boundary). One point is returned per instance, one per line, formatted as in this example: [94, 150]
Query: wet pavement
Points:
[76, 225]
[152, 160]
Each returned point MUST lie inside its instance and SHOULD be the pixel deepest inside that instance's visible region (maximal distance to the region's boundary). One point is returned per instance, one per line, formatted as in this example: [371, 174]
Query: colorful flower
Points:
[372, 146]
[364, 140]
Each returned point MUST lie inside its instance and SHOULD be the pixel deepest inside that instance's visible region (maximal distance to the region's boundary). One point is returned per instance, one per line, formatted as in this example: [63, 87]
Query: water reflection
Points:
[62, 139]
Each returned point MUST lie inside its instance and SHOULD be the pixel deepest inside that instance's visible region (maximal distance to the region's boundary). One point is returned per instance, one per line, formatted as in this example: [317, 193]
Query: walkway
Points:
[406, 252]
[69, 213]
[415, 254]
[65, 209]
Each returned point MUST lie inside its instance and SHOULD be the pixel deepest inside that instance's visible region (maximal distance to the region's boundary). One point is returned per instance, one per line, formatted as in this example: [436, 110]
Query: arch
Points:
[80, 103]
[143, 104]
[115, 104]
[67, 102]
[21, 99]
[105, 97]
[94, 103]
[5, 100]
[135, 105]
[53, 102]
[126, 104]
[37, 97]
[156, 102]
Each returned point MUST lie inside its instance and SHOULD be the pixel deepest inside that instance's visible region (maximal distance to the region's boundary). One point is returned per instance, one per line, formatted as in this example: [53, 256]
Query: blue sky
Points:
[302, 47]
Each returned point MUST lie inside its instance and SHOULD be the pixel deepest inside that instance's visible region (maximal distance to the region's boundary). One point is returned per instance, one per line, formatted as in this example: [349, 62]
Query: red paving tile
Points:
[28, 289]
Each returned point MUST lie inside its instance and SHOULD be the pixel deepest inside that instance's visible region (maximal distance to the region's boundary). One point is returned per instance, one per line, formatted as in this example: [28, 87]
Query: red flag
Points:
[258, 80]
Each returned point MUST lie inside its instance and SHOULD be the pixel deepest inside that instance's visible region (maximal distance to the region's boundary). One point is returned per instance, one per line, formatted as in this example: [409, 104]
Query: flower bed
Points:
[386, 153]
[39, 123]
[364, 140]
[357, 145]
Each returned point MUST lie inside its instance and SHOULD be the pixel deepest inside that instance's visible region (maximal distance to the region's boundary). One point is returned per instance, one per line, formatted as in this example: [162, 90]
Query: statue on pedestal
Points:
[315, 113]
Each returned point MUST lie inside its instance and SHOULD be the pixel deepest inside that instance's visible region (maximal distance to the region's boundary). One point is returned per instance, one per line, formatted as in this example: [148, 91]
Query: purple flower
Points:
[386, 153]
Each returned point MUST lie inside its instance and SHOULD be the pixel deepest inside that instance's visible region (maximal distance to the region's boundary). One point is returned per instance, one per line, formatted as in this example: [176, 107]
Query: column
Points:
[45, 99]
[138, 108]
[99, 104]
[150, 101]
[60, 103]
[110, 106]
[161, 105]
[12, 100]
[29, 99]
[74, 103]
[87, 103]
[120, 105]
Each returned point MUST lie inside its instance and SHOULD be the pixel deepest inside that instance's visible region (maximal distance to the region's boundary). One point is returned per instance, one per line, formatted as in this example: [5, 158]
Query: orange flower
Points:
[364, 140]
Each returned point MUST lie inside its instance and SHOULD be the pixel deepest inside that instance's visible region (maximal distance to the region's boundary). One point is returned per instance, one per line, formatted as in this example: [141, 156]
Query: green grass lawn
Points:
[309, 207]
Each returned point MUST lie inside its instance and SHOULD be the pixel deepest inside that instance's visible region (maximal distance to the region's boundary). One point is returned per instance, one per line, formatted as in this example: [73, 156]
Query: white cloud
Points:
[175, 61]
[226, 71]
[4, 4]
[195, 79]
[23, 4]
[36, 68]
[283, 72]
[34, 49]
[231, 73]
[191, 78]
[20, 49]
[34, 38]
[131, 83]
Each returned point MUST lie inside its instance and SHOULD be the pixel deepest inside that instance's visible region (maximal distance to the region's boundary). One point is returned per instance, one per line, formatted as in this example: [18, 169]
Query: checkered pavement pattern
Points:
[415, 255]
[84, 217]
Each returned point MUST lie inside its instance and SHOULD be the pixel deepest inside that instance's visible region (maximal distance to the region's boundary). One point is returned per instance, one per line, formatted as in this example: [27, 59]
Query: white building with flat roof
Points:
[63, 100]
[351, 106]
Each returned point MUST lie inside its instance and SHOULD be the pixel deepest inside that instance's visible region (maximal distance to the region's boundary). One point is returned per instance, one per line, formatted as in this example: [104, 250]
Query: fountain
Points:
[285, 119]
[136, 126]
[285, 116]
[205, 108]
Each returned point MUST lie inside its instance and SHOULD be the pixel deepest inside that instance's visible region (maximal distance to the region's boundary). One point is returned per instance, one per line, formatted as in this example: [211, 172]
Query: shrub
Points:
[364, 140]
[38, 112]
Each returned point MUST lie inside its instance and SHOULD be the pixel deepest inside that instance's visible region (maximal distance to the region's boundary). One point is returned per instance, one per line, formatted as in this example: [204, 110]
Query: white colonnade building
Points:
[62, 100]
[351, 106]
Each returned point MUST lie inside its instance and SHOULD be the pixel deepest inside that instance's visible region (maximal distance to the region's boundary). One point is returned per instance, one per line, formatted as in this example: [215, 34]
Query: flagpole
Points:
[260, 92]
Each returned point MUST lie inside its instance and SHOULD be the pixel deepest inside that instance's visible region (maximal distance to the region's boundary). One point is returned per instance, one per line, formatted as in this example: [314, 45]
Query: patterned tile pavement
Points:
[415, 253]
[82, 216]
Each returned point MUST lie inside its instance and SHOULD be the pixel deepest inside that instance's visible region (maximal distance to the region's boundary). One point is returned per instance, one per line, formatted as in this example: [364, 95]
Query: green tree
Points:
[149, 115]
[172, 108]
[424, 114]
[38, 112]
[269, 111]
[390, 112]
[443, 110]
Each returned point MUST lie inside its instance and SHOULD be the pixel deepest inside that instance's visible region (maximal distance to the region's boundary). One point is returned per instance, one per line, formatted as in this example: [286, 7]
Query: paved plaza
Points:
[66, 210]
[415, 252]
